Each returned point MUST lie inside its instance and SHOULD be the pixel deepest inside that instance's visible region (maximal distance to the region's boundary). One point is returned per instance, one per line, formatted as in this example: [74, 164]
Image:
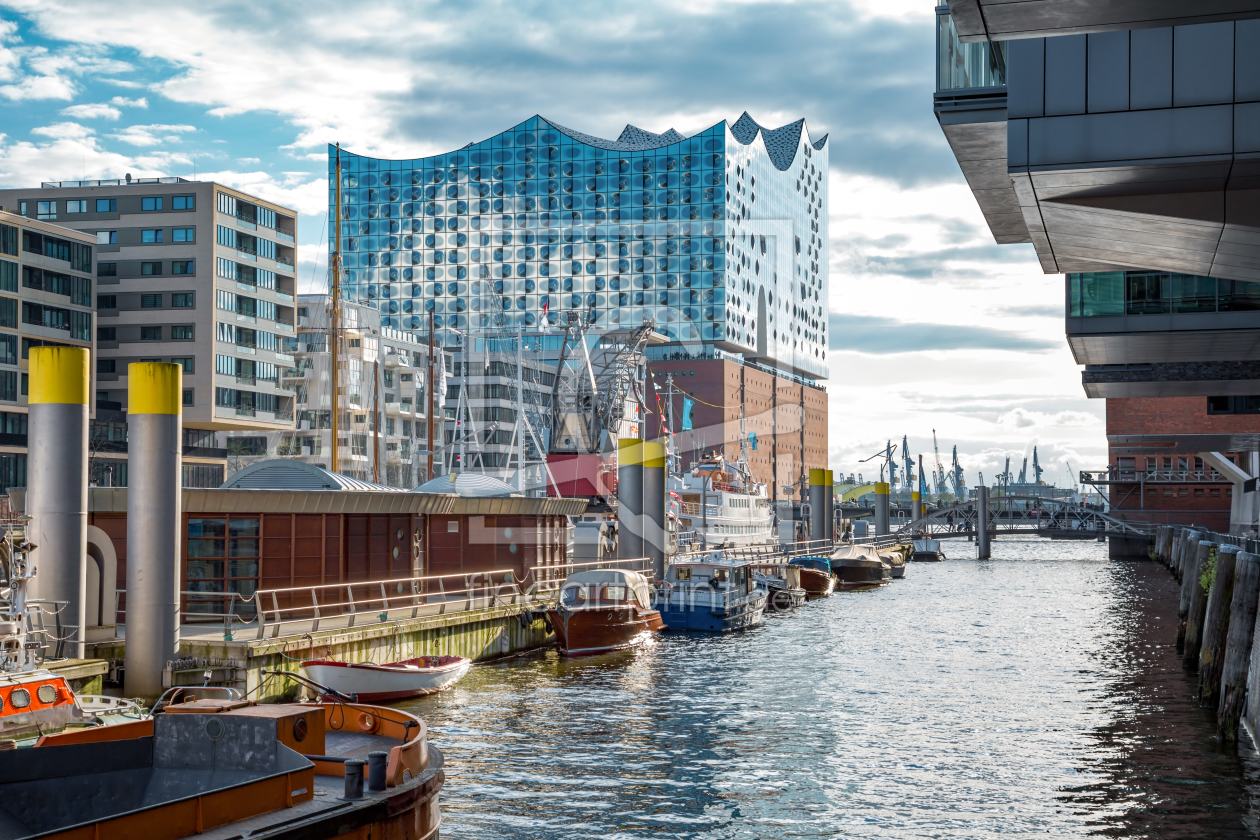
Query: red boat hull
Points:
[588, 631]
[816, 584]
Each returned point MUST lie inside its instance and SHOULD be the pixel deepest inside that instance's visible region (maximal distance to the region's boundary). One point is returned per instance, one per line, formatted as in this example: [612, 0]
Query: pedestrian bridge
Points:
[1054, 518]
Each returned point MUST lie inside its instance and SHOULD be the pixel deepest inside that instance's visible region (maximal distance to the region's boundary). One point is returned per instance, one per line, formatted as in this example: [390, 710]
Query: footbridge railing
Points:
[1022, 515]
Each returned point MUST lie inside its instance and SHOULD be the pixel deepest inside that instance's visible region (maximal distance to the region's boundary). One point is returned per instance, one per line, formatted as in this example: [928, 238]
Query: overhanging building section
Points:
[1140, 149]
[980, 20]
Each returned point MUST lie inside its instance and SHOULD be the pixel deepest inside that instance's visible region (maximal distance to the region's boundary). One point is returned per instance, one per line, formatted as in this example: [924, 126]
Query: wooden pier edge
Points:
[1216, 625]
[1239, 651]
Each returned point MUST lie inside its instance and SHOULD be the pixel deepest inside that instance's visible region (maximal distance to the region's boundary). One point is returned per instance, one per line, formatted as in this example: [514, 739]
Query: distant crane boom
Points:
[938, 476]
[908, 462]
[1037, 470]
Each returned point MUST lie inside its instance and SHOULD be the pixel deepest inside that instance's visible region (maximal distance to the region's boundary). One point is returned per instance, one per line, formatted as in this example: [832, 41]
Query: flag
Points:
[439, 398]
[688, 405]
[752, 439]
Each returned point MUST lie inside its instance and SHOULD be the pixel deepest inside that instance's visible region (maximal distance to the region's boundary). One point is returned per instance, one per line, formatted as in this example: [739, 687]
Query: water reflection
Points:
[1037, 693]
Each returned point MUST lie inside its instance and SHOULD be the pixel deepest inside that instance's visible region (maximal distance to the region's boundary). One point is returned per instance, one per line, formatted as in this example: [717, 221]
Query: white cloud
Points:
[64, 131]
[92, 111]
[153, 135]
[124, 102]
[248, 160]
[39, 87]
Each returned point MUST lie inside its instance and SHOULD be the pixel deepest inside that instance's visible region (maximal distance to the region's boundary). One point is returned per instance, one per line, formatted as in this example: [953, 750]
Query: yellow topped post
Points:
[817, 504]
[881, 508]
[154, 412]
[655, 542]
[629, 498]
[59, 392]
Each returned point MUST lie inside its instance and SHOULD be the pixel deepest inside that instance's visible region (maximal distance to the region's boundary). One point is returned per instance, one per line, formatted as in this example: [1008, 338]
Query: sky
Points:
[932, 325]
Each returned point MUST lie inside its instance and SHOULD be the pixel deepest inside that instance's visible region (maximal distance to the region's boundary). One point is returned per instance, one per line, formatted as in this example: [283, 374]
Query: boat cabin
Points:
[716, 573]
[598, 588]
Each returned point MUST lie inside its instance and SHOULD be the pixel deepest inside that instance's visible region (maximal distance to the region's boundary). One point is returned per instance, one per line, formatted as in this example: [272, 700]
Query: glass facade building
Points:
[719, 238]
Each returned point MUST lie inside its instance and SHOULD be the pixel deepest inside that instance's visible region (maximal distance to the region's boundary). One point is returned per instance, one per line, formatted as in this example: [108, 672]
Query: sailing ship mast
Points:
[334, 321]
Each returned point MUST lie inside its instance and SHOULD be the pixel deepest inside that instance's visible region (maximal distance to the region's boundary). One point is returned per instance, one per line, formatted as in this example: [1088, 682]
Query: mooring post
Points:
[1216, 625]
[1239, 644]
[630, 498]
[881, 508]
[982, 523]
[1198, 605]
[1190, 555]
[1174, 556]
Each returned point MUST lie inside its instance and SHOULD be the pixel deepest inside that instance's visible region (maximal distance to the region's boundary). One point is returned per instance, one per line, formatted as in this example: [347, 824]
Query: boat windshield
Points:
[578, 595]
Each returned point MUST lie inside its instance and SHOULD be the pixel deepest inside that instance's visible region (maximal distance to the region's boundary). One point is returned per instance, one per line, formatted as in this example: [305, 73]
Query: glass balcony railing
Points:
[962, 66]
[1103, 293]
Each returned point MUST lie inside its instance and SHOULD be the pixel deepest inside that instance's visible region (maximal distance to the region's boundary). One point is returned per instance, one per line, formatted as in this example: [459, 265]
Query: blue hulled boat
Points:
[714, 594]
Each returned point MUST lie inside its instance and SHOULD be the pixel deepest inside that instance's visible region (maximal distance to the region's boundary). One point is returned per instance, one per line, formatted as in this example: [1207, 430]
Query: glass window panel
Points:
[244, 527]
[1147, 293]
[1192, 293]
[205, 572]
[205, 548]
[205, 528]
[1102, 293]
[1239, 296]
[243, 569]
[242, 548]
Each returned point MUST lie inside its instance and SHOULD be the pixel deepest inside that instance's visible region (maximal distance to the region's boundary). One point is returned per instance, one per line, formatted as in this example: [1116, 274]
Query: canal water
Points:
[1037, 694]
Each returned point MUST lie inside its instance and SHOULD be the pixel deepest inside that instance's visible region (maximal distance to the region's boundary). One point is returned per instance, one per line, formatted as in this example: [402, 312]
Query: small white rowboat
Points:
[391, 681]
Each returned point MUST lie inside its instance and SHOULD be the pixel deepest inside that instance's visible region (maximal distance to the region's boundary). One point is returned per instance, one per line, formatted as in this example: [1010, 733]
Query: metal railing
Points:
[1207, 475]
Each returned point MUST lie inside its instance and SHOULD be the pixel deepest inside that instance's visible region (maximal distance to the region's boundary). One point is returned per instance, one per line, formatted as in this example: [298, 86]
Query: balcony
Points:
[287, 326]
[245, 255]
[245, 411]
[284, 236]
[246, 379]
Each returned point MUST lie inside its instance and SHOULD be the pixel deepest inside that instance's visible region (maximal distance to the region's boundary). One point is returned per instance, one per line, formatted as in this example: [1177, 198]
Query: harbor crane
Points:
[960, 484]
[1023, 473]
[892, 463]
[908, 462]
[938, 475]
[1037, 469]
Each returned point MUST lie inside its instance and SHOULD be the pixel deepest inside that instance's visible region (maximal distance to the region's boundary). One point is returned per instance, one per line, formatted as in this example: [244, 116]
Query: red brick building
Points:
[787, 417]
[1166, 486]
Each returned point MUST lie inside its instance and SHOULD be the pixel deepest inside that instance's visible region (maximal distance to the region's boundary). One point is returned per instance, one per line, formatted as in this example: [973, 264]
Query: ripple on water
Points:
[1036, 694]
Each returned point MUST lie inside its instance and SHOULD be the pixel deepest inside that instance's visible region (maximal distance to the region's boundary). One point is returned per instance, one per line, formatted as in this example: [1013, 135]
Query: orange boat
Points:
[229, 768]
[602, 610]
[816, 577]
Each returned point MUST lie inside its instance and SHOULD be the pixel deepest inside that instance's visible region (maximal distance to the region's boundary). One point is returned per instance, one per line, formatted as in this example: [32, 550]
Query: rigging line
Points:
[327, 268]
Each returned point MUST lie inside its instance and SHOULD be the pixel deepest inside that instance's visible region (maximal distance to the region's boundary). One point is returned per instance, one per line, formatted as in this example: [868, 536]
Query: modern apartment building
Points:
[190, 272]
[46, 278]
[1120, 140]
[383, 406]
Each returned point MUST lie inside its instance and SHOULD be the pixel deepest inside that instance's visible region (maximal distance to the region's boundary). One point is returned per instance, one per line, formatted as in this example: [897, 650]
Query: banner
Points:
[688, 405]
[752, 439]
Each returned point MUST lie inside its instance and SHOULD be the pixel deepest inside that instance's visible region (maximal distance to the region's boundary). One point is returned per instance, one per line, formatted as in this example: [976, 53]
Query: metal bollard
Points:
[354, 778]
[377, 761]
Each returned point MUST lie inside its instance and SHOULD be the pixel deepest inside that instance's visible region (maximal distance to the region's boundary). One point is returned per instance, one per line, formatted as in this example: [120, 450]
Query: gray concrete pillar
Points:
[57, 478]
[655, 536]
[982, 522]
[829, 480]
[154, 455]
[629, 498]
[817, 504]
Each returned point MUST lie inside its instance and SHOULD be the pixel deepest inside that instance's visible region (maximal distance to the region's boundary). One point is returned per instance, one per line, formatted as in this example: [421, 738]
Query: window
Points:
[182, 234]
[106, 333]
[107, 301]
[8, 276]
[8, 385]
[107, 237]
[152, 203]
[46, 209]
[182, 300]
[105, 366]
[182, 267]
[186, 362]
[151, 268]
[188, 400]
[107, 269]
[222, 557]
[182, 333]
[9, 240]
[76, 206]
[106, 205]
[150, 333]
[8, 349]
[183, 202]
[151, 235]
[151, 301]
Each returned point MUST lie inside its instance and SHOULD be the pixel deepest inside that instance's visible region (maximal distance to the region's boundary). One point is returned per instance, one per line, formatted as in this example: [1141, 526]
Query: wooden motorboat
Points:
[782, 585]
[601, 610]
[927, 551]
[368, 682]
[859, 567]
[816, 577]
[222, 768]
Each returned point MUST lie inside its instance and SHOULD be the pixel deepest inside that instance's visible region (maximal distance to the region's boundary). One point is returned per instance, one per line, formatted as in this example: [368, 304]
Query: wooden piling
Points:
[1189, 551]
[1239, 648]
[1206, 555]
[1161, 544]
[1216, 626]
[1174, 557]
